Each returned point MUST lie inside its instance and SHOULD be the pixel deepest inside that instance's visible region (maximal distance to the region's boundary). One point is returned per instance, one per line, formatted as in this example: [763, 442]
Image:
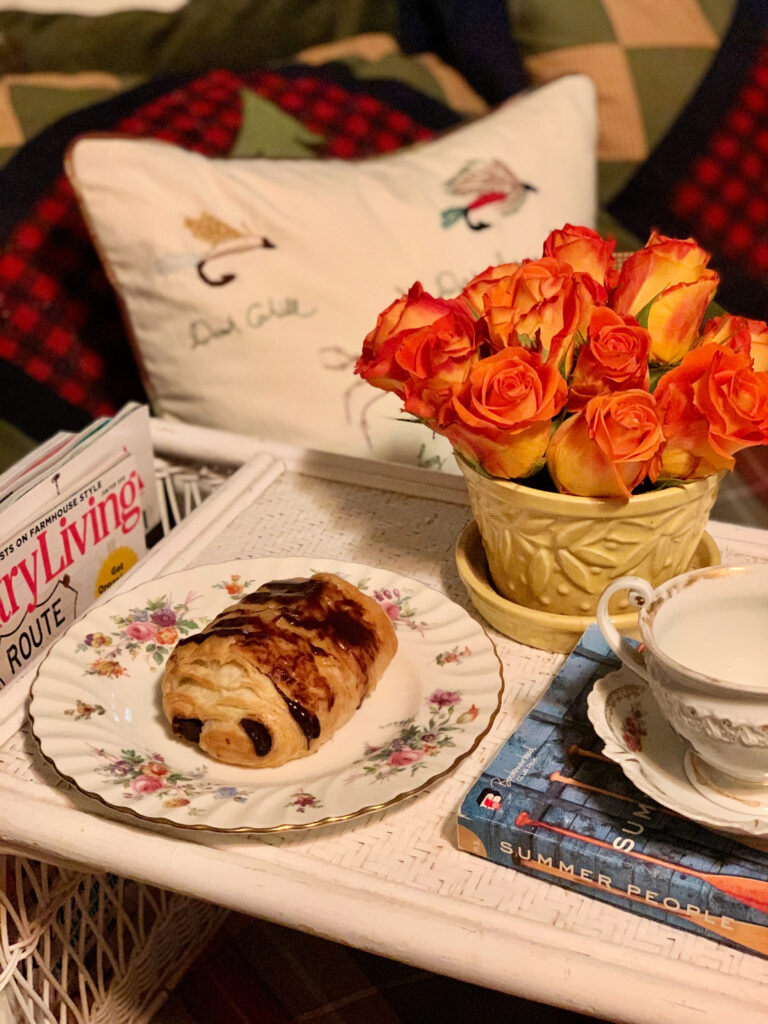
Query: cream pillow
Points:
[249, 285]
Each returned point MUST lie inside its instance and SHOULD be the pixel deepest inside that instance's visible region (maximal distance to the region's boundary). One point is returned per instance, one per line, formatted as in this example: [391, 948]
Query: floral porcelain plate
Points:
[96, 706]
[627, 718]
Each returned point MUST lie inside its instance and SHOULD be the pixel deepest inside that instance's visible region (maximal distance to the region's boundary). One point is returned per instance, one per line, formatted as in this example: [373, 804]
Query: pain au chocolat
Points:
[272, 677]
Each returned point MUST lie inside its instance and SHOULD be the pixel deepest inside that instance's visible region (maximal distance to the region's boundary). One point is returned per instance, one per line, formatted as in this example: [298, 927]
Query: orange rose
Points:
[614, 358]
[667, 287]
[584, 249]
[712, 405]
[472, 295]
[740, 334]
[437, 357]
[501, 416]
[608, 448]
[543, 305]
[378, 363]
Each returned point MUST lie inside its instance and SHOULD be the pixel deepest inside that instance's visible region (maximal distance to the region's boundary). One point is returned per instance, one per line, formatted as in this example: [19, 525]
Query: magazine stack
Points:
[76, 515]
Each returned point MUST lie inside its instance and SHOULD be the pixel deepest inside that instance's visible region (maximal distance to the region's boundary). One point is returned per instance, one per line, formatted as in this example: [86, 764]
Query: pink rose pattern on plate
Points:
[634, 729]
[416, 741]
[141, 776]
[396, 603]
[151, 631]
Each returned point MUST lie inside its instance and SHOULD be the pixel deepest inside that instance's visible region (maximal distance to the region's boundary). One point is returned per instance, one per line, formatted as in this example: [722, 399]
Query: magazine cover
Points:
[552, 805]
[65, 556]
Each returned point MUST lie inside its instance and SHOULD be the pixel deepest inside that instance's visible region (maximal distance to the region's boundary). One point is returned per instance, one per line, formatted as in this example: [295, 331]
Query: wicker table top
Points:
[393, 882]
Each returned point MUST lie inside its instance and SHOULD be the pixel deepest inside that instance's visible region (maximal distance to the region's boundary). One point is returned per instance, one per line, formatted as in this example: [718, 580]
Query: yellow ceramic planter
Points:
[556, 553]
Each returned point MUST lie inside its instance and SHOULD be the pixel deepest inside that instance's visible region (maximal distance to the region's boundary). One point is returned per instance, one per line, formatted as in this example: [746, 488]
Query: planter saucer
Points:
[545, 630]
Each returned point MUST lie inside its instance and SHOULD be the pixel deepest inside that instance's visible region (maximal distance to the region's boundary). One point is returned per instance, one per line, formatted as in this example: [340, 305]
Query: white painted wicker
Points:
[78, 947]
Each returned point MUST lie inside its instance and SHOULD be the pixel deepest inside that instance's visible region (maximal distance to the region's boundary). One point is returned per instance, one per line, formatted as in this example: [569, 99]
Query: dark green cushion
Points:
[238, 34]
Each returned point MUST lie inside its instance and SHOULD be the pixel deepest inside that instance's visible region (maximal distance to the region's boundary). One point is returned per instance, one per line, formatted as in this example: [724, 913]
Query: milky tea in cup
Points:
[704, 653]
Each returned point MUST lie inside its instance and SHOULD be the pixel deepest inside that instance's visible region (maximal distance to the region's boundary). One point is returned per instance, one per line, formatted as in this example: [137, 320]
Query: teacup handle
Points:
[640, 593]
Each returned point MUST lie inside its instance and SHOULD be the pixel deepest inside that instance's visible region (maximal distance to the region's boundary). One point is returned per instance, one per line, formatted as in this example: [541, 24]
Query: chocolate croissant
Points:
[273, 677]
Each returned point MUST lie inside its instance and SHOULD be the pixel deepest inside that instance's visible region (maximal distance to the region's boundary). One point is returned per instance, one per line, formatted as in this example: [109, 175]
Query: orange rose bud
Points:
[543, 305]
[501, 416]
[666, 285]
[584, 249]
[378, 363]
[740, 334]
[614, 358]
[712, 405]
[608, 448]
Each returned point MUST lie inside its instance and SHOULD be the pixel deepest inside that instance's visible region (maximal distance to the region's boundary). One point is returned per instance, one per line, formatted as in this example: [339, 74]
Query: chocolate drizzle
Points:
[284, 652]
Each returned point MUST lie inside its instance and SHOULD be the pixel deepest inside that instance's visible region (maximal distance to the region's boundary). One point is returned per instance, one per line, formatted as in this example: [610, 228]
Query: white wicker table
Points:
[394, 882]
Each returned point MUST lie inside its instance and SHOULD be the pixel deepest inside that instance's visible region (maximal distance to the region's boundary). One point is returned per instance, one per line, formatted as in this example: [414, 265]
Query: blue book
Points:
[551, 805]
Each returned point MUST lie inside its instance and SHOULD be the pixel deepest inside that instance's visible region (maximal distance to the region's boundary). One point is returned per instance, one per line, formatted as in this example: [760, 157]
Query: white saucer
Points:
[626, 717]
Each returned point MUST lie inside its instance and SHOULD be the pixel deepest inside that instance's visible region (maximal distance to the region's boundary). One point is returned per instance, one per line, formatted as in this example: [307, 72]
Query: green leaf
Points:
[662, 485]
[645, 312]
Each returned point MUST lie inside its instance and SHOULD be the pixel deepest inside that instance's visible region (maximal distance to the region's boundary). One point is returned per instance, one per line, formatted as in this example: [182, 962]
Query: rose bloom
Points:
[609, 447]
[473, 292]
[614, 358]
[501, 416]
[712, 405]
[741, 334]
[584, 249]
[155, 768]
[666, 285]
[405, 756]
[146, 784]
[378, 364]
[436, 357]
[139, 631]
[543, 305]
[167, 636]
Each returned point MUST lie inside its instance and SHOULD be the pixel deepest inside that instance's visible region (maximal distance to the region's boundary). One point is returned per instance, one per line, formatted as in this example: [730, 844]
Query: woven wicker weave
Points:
[83, 948]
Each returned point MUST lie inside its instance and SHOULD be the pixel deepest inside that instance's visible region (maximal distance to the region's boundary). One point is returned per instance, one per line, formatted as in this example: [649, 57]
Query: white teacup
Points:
[705, 655]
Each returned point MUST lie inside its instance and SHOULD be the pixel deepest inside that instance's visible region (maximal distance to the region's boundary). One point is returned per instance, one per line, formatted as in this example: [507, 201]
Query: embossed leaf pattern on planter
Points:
[562, 562]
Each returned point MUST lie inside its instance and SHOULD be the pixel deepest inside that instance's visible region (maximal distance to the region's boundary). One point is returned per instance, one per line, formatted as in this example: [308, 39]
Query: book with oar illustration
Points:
[552, 805]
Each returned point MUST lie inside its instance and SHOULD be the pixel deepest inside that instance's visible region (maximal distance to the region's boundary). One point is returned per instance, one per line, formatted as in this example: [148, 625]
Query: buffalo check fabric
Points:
[709, 175]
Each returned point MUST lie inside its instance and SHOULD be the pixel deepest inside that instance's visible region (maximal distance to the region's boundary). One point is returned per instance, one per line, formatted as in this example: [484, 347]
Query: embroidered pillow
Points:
[65, 356]
[249, 285]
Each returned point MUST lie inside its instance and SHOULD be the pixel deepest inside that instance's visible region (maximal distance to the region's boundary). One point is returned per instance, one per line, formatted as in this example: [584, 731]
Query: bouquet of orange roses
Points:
[609, 379]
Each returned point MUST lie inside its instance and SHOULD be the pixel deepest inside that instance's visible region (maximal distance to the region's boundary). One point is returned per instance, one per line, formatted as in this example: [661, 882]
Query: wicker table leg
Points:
[80, 948]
